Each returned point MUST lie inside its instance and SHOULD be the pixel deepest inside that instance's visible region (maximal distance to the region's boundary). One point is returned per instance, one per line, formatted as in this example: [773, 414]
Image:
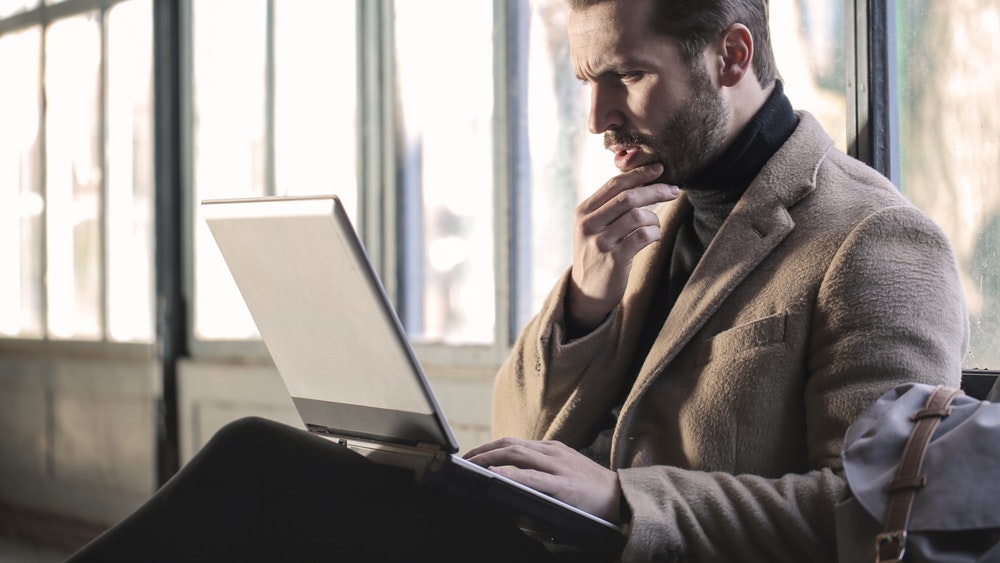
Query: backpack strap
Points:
[890, 545]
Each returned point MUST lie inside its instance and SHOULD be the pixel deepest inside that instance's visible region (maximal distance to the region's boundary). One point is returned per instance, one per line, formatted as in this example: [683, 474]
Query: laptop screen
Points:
[323, 315]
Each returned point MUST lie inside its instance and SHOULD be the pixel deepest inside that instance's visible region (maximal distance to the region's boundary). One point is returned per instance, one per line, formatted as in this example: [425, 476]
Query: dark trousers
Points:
[263, 491]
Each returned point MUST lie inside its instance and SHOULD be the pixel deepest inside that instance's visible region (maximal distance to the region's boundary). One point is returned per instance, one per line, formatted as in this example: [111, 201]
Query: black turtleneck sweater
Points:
[713, 194]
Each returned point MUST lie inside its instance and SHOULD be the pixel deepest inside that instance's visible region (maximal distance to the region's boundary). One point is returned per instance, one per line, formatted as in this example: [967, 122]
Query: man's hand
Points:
[556, 470]
[609, 229]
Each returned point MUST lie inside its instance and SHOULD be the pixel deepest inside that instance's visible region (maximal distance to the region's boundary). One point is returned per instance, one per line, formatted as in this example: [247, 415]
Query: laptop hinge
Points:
[421, 458]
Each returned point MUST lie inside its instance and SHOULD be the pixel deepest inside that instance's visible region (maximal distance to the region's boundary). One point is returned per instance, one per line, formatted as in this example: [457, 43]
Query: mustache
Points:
[612, 138]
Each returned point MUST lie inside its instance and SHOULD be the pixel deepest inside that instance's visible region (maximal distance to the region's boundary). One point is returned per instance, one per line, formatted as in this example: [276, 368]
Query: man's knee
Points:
[244, 439]
[246, 428]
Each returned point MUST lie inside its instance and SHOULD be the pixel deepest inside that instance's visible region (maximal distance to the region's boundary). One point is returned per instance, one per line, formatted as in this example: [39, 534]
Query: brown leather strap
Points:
[891, 544]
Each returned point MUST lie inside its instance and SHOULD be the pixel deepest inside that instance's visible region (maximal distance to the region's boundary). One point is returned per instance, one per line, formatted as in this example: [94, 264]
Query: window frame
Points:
[872, 108]
[378, 173]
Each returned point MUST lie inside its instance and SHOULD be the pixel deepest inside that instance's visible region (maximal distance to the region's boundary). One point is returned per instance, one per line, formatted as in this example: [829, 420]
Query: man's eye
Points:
[629, 76]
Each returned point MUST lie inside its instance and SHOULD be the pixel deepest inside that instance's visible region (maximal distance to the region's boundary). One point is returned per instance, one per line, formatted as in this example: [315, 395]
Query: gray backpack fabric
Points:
[955, 484]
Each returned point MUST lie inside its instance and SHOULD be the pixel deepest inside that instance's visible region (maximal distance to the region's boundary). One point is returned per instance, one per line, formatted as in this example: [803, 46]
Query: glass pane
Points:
[11, 7]
[568, 163]
[229, 48]
[73, 177]
[808, 39]
[130, 171]
[315, 107]
[21, 202]
[950, 144]
[446, 105]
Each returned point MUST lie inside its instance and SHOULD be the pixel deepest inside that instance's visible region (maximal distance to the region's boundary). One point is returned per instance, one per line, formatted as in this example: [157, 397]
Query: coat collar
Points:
[757, 225]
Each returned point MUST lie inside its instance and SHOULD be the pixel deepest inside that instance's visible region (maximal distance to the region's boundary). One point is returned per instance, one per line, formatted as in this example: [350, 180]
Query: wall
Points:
[211, 395]
[77, 436]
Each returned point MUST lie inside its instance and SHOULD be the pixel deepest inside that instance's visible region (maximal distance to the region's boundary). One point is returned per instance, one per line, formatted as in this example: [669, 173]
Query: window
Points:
[461, 166]
[273, 112]
[446, 171]
[949, 133]
[129, 171]
[21, 200]
[11, 7]
[73, 181]
[809, 43]
[78, 233]
[567, 162]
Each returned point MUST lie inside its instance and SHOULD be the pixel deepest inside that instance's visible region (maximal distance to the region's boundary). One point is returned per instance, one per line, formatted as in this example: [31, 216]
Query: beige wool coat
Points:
[822, 290]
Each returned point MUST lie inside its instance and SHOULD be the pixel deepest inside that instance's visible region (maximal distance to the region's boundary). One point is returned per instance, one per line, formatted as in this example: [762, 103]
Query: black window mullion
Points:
[883, 111]
[872, 97]
[171, 325]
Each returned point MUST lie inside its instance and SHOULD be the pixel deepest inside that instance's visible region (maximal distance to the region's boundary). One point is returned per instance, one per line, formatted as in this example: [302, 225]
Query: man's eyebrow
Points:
[610, 70]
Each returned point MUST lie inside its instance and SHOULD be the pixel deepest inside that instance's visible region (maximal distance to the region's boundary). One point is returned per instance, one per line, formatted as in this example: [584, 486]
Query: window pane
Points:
[950, 144]
[73, 177]
[808, 41]
[447, 167]
[229, 47]
[130, 171]
[315, 99]
[21, 203]
[568, 163]
[11, 7]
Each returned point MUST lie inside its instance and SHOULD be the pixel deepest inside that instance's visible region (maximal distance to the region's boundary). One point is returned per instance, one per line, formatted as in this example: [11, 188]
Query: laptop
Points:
[349, 368]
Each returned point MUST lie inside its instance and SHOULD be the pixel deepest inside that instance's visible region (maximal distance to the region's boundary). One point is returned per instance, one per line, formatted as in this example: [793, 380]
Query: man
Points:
[693, 374]
[711, 355]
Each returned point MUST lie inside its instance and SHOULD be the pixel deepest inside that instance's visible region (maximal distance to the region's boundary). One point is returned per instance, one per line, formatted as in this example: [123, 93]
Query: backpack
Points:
[923, 473]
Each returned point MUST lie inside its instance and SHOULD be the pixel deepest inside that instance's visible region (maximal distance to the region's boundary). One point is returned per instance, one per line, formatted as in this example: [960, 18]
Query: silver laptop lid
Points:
[325, 319]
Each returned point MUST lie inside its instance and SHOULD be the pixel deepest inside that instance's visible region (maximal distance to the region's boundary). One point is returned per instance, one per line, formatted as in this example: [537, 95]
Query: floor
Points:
[31, 536]
[12, 551]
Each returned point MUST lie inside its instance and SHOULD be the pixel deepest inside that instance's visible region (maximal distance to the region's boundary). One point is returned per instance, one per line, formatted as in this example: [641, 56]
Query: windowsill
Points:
[23, 347]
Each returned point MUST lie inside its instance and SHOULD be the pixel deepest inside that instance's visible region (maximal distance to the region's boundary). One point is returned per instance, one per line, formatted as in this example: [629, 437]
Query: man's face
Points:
[649, 103]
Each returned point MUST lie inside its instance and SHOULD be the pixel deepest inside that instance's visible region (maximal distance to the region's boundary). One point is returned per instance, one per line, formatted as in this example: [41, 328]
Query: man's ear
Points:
[737, 54]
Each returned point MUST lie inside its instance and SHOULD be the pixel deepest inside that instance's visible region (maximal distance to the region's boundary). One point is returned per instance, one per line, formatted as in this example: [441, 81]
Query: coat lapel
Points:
[757, 225]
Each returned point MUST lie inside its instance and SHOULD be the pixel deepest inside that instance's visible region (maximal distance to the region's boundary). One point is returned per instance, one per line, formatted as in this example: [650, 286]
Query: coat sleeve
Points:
[889, 310]
[549, 389]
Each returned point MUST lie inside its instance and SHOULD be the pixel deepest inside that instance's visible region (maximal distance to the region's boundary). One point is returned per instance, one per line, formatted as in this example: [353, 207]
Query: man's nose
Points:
[605, 111]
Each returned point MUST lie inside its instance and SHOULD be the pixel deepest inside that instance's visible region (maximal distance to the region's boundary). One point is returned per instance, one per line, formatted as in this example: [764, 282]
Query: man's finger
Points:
[620, 183]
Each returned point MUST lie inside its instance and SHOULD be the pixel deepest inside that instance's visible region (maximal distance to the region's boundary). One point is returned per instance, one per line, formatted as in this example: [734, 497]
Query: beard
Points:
[690, 139]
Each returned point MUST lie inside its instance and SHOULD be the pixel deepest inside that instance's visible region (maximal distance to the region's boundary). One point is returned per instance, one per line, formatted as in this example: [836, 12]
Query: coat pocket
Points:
[747, 336]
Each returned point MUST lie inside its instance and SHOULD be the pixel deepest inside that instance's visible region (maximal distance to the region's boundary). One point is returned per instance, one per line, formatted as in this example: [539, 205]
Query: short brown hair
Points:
[695, 23]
